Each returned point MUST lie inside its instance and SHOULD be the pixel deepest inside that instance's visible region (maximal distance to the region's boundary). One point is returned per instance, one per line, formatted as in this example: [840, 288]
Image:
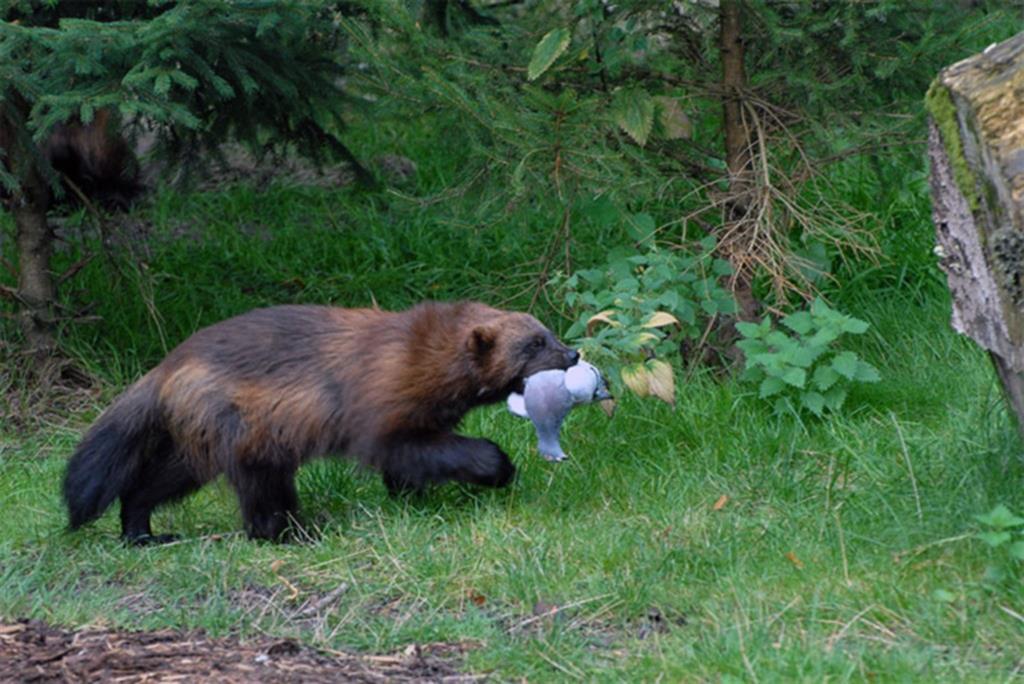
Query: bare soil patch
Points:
[31, 651]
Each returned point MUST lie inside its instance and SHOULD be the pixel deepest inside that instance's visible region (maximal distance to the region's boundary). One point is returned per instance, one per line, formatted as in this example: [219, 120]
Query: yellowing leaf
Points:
[645, 337]
[608, 406]
[797, 563]
[661, 318]
[674, 122]
[636, 378]
[600, 317]
[662, 381]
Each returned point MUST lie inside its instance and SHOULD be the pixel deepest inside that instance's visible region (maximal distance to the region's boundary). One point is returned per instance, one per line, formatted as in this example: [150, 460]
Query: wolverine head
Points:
[514, 346]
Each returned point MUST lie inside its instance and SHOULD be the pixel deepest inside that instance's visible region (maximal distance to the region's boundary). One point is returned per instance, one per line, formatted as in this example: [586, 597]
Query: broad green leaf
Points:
[820, 308]
[686, 312]
[721, 267]
[1000, 517]
[834, 398]
[633, 111]
[553, 44]
[797, 377]
[824, 377]
[812, 261]
[641, 227]
[726, 304]
[845, 363]
[824, 337]
[771, 386]
[752, 375]
[751, 347]
[601, 210]
[592, 276]
[770, 361]
[1016, 550]
[814, 401]
[749, 330]
[628, 285]
[943, 596]
[993, 538]
[854, 325]
[670, 299]
[799, 322]
[867, 373]
[802, 356]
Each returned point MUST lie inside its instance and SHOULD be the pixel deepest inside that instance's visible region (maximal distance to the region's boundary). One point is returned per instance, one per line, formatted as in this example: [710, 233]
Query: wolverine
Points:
[256, 396]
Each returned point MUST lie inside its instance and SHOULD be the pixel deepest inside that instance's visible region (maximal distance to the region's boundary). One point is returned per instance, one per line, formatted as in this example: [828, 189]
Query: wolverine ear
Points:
[481, 340]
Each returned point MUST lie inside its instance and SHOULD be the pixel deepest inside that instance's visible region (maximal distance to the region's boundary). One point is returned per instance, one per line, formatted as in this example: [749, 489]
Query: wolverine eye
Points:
[538, 342]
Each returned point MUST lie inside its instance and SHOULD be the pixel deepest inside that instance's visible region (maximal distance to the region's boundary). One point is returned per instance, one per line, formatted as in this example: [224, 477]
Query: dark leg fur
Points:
[161, 479]
[417, 461]
[267, 498]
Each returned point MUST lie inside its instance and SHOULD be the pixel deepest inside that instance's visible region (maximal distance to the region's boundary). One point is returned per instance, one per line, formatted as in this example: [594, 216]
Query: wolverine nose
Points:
[573, 357]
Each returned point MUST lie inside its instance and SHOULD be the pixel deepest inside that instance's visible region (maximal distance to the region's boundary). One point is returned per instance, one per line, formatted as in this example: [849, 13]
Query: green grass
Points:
[824, 562]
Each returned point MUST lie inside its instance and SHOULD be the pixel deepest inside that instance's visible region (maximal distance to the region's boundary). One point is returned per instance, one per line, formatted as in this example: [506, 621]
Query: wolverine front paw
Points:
[495, 468]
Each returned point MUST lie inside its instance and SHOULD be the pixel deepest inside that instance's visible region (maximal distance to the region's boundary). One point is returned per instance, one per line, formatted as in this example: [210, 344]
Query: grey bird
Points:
[550, 395]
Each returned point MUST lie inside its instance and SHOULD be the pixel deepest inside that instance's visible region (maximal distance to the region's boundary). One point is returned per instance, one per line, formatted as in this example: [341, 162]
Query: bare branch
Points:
[74, 269]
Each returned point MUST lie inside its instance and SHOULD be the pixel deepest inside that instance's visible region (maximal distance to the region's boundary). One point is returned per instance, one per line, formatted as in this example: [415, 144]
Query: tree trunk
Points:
[976, 149]
[737, 158]
[37, 291]
[734, 80]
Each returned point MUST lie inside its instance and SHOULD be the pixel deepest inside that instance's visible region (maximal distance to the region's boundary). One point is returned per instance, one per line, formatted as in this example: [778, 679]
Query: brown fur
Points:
[94, 157]
[257, 395]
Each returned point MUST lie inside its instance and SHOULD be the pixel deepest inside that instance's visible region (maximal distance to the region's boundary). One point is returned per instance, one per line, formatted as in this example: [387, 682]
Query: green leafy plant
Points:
[636, 309]
[1003, 530]
[607, 41]
[802, 367]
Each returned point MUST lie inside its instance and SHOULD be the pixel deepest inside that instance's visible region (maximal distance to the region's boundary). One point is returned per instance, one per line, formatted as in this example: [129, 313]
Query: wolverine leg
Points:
[164, 477]
[267, 497]
[417, 461]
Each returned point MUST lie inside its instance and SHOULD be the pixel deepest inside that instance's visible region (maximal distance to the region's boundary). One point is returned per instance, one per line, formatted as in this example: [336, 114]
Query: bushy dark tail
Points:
[109, 457]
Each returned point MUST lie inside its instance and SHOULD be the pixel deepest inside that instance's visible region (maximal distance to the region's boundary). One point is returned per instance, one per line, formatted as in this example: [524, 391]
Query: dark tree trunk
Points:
[37, 289]
[976, 149]
[737, 158]
[734, 80]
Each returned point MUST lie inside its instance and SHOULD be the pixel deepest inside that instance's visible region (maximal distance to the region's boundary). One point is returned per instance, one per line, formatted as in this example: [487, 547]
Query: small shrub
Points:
[804, 368]
[637, 309]
[1003, 530]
